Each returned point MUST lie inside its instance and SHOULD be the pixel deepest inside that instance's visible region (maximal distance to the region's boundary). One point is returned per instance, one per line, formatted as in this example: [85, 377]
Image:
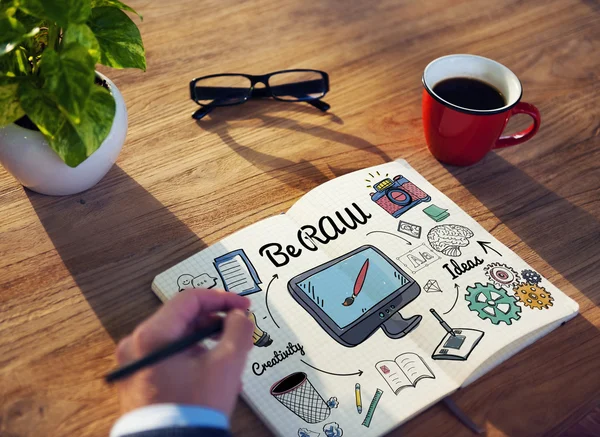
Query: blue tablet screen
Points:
[341, 283]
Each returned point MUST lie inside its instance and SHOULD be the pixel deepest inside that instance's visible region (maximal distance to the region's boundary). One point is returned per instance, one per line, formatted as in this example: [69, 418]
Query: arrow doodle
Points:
[485, 245]
[359, 373]
[267, 299]
[455, 300]
[389, 233]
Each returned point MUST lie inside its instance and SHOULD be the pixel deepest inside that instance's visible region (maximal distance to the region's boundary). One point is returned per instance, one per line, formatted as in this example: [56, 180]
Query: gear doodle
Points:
[533, 296]
[502, 275]
[492, 303]
[531, 277]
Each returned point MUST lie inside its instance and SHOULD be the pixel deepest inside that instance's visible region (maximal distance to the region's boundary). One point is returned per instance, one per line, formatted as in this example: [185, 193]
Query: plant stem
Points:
[53, 34]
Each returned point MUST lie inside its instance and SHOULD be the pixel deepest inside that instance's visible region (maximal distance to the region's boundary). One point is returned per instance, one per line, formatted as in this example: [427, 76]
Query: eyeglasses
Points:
[233, 89]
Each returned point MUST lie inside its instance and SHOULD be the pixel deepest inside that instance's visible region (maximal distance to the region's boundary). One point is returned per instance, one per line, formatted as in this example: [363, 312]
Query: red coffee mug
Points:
[462, 136]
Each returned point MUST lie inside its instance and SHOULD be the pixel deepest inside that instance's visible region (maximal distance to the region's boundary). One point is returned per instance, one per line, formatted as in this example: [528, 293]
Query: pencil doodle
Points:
[237, 272]
[397, 196]
[352, 296]
[358, 398]
[432, 286]
[531, 277]
[502, 275]
[298, 395]
[448, 239]
[204, 280]
[409, 229]
[418, 258]
[305, 432]
[492, 303]
[436, 213]
[260, 338]
[371, 411]
[533, 296]
[457, 344]
[406, 370]
[332, 429]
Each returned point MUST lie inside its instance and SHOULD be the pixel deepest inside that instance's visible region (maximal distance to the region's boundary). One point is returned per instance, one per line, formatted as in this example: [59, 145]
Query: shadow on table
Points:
[523, 205]
[114, 238]
[301, 175]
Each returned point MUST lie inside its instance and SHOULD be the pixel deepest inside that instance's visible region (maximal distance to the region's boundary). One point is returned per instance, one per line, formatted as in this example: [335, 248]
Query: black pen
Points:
[443, 322]
[165, 352]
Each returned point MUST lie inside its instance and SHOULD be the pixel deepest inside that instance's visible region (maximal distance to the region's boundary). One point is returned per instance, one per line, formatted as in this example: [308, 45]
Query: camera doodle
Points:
[398, 196]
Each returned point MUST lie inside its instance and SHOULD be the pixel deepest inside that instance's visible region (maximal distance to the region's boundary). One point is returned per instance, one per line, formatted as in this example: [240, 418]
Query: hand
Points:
[198, 376]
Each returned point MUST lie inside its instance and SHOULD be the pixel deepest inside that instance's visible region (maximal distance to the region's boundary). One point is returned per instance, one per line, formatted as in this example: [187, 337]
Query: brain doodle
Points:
[448, 239]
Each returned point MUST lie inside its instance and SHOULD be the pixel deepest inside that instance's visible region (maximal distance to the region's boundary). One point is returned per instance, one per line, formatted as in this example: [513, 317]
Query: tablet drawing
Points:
[355, 294]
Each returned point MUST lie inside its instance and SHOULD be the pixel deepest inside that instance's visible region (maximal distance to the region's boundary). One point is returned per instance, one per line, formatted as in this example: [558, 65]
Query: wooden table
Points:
[75, 272]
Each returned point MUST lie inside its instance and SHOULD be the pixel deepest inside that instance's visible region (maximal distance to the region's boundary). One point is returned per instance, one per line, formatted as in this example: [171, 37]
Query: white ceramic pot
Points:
[28, 157]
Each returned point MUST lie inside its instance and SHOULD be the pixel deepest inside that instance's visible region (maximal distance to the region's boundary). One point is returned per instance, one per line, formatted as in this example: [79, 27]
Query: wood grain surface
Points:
[75, 271]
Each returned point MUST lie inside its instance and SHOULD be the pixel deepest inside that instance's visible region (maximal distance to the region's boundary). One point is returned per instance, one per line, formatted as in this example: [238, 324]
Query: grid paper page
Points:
[331, 276]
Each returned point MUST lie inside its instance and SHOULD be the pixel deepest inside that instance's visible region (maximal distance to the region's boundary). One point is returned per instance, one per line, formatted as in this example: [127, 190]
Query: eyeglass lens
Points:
[222, 90]
[298, 85]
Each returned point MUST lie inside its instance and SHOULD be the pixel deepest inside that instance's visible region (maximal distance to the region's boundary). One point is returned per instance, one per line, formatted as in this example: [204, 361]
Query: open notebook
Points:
[373, 297]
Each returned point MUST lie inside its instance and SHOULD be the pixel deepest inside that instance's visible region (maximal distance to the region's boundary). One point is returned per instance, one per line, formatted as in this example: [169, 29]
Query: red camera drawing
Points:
[398, 196]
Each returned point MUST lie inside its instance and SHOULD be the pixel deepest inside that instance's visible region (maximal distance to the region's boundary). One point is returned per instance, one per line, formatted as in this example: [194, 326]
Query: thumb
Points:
[237, 334]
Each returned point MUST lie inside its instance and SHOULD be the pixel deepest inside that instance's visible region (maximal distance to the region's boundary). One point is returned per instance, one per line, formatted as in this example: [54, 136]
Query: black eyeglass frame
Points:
[260, 92]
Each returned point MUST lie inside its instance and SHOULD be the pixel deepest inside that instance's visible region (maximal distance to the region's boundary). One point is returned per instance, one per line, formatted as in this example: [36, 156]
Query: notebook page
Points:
[472, 286]
[294, 350]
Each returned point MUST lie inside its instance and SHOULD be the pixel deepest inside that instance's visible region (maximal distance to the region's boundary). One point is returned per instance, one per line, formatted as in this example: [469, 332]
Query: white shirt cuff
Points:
[168, 416]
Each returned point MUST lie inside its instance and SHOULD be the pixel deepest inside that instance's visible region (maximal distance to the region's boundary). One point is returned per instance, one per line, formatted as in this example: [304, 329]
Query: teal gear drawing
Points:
[492, 303]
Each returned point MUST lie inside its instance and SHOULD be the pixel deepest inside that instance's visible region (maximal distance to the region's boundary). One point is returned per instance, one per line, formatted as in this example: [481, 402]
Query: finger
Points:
[124, 352]
[179, 316]
[236, 340]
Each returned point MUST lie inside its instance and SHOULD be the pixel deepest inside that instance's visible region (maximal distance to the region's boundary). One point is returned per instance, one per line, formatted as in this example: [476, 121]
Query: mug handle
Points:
[524, 135]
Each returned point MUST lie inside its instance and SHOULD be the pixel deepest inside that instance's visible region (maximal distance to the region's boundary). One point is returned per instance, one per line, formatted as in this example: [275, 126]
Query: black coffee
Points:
[470, 93]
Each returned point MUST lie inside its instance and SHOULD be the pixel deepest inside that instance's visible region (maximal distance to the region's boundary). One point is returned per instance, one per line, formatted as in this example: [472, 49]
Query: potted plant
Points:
[62, 124]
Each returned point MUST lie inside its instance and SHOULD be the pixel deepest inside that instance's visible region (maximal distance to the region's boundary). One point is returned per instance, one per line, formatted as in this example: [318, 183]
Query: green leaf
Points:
[41, 109]
[73, 143]
[115, 4]
[13, 32]
[62, 12]
[119, 38]
[69, 77]
[9, 103]
[81, 34]
[15, 64]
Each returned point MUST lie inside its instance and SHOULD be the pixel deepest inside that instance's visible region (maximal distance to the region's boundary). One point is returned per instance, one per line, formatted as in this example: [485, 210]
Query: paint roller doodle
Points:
[358, 284]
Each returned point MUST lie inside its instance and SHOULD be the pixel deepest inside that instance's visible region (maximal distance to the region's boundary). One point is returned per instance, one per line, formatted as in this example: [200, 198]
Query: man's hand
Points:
[198, 376]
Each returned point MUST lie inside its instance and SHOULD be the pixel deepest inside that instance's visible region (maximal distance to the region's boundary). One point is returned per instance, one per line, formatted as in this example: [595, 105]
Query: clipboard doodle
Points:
[237, 272]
